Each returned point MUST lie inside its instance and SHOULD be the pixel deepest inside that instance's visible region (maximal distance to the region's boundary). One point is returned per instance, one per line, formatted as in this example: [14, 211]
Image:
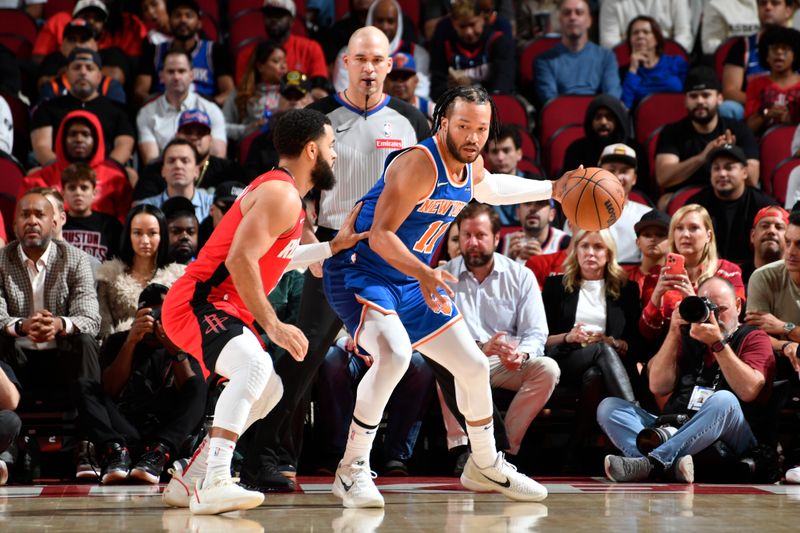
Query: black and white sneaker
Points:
[151, 464]
[502, 477]
[354, 484]
[116, 465]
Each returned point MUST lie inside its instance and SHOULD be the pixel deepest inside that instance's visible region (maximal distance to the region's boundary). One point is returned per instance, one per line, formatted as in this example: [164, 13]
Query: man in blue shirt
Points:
[576, 66]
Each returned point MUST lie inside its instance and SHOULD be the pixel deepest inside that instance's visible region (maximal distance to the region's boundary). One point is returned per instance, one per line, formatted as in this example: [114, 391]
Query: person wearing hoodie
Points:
[80, 138]
[387, 16]
[606, 122]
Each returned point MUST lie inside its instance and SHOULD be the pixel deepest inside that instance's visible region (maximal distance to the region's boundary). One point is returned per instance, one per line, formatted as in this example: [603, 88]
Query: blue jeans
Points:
[339, 376]
[720, 418]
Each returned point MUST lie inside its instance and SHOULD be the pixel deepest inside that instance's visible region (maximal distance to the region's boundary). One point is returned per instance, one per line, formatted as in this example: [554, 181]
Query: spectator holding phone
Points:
[142, 260]
[691, 236]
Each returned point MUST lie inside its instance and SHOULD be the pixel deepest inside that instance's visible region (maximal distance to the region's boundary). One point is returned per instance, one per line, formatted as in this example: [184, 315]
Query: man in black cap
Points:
[651, 240]
[182, 229]
[683, 147]
[731, 202]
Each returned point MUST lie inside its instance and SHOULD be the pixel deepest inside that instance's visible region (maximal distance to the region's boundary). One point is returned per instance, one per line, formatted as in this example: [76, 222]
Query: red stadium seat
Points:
[557, 146]
[561, 111]
[51, 7]
[775, 146]
[18, 22]
[209, 27]
[510, 110]
[678, 199]
[237, 6]
[720, 54]
[210, 8]
[672, 48]
[528, 56]
[19, 45]
[244, 145]
[12, 173]
[640, 198]
[780, 178]
[247, 25]
[650, 146]
[656, 110]
[530, 149]
[342, 8]
[526, 165]
[411, 9]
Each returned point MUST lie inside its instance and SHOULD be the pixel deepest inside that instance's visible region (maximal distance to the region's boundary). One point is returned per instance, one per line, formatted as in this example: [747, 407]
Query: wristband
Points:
[718, 346]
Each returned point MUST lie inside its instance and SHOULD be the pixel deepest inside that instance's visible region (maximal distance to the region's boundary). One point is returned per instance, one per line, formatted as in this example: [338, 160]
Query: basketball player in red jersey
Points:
[212, 310]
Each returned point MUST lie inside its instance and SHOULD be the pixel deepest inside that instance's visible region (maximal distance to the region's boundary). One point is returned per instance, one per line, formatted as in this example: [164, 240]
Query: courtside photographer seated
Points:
[717, 373]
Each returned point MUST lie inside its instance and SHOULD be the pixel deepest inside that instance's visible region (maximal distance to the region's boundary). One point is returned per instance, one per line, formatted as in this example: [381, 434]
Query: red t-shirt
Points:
[546, 265]
[129, 39]
[302, 54]
[762, 93]
[756, 352]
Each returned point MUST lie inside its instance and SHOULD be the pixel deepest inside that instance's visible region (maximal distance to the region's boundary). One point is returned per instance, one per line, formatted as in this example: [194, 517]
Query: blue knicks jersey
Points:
[205, 82]
[425, 226]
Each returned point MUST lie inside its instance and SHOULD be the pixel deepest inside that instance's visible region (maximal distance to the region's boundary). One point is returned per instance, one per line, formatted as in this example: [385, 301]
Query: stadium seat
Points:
[510, 110]
[656, 110]
[210, 8]
[678, 199]
[650, 146]
[775, 146]
[51, 7]
[12, 173]
[342, 8]
[530, 148]
[556, 147]
[246, 25]
[640, 198]
[244, 145]
[18, 22]
[411, 9]
[526, 165]
[780, 178]
[528, 56]
[209, 27]
[720, 55]
[19, 45]
[672, 48]
[237, 6]
[561, 111]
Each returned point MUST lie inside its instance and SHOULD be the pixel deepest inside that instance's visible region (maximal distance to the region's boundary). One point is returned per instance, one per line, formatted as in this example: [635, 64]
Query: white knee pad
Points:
[266, 402]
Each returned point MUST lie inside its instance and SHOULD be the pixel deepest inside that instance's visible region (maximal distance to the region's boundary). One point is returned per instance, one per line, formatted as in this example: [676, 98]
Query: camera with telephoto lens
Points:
[697, 310]
[665, 427]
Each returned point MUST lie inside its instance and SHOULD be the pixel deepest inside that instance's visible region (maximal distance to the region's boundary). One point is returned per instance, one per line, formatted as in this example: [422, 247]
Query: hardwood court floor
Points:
[417, 504]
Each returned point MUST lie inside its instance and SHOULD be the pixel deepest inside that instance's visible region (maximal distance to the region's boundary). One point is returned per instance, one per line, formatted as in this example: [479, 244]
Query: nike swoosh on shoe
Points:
[505, 484]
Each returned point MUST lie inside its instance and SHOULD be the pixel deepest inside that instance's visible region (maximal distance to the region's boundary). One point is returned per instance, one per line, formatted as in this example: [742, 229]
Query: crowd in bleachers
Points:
[140, 122]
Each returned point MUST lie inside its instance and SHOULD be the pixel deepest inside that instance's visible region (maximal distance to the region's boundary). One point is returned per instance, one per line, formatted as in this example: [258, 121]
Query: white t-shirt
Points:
[592, 304]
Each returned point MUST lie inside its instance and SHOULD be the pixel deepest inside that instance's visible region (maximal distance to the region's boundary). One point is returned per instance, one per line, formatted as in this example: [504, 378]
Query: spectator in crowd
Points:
[536, 18]
[250, 105]
[499, 15]
[60, 214]
[723, 19]
[402, 83]
[150, 398]
[194, 125]
[119, 35]
[6, 127]
[81, 139]
[361, 113]
[156, 17]
[743, 58]
[182, 228]
[503, 154]
[774, 96]
[773, 292]
[302, 54]
[224, 195]
[503, 309]
[713, 374]
[339, 375]
[651, 239]
[3, 234]
[210, 63]
[591, 317]
[295, 93]
[691, 234]
[650, 70]
[387, 16]
[10, 424]
[83, 75]
[97, 234]
[683, 146]
[180, 171]
[767, 238]
[159, 119]
[142, 260]
[538, 235]
[575, 65]
[451, 249]
[469, 52]
[49, 313]
[673, 16]
[731, 203]
[606, 122]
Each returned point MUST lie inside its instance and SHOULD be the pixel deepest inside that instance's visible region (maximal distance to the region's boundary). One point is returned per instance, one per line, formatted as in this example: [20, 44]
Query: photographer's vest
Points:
[693, 371]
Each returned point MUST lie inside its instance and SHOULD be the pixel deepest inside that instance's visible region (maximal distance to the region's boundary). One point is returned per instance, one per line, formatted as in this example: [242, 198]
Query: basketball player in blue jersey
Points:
[393, 302]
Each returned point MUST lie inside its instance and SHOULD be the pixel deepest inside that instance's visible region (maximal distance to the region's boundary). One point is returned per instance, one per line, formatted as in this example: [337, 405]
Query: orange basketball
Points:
[593, 199]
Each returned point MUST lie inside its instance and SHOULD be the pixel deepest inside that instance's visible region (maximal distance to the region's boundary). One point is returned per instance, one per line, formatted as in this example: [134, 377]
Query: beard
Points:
[711, 115]
[454, 151]
[770, 253]
[82, 91]
[477, 260]
[322, 177]
[181, 256]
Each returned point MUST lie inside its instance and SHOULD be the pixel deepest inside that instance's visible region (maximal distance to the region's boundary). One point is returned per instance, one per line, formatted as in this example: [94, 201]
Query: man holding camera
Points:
[714, 370]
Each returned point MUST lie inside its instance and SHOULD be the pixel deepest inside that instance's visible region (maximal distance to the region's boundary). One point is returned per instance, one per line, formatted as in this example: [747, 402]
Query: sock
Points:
[481, 440]
[198, 464]
[220, 454]
[359, 442]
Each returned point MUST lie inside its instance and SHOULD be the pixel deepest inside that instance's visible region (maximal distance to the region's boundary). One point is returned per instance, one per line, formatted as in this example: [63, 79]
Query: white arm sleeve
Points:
[308, 254]
[505, 189]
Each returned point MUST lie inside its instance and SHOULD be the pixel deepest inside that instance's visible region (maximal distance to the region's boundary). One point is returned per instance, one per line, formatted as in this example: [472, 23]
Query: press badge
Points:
[699, 397]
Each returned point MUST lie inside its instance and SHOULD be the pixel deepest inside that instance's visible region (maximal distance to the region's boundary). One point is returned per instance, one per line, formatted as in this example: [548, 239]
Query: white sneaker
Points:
[223, 495]
[793, 475]
[178, 491]
[3, 472]
[353, 484]
[502, 477]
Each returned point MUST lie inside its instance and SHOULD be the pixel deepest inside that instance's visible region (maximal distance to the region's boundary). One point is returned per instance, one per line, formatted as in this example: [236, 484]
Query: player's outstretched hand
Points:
[430, 282]
[560, 185]
[347, 236]
[290, 338]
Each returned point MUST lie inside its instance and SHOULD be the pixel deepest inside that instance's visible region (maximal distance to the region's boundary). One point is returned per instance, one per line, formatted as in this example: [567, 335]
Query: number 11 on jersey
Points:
[425, 243]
